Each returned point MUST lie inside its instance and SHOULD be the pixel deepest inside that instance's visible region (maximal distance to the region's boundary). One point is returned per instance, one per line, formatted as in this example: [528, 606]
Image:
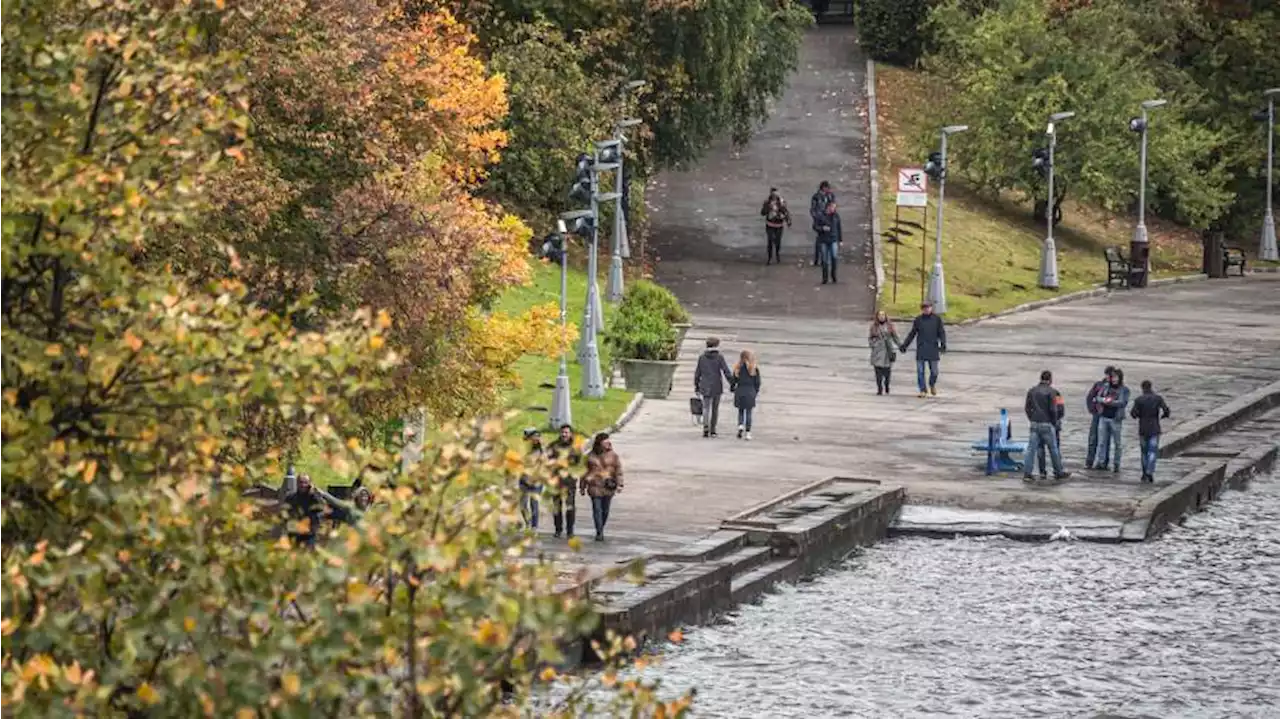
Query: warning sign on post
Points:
[913, 187]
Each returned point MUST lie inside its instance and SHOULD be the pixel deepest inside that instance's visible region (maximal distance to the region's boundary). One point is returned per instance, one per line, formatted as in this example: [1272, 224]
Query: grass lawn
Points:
[529, 398]
[991, 247]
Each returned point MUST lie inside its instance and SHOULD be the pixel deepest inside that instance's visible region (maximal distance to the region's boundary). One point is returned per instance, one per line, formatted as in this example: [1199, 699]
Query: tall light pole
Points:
[621, 248]
[937, 167]
[1049, 253]
[558, 246]
[1139, 251]
[1267, 248]
[627, 90]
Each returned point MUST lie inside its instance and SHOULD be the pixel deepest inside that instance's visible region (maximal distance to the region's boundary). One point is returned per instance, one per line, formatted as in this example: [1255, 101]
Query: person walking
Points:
[708, 383]
[1149, 408]
[1112, 401]
[563, 455]
[776, 215]
[884, 341]
[531, 486]
[1042, 408]
[746, 385]
[1095, 413]
[930, 335]
[602, 481]
[830, 236]
[817, 209]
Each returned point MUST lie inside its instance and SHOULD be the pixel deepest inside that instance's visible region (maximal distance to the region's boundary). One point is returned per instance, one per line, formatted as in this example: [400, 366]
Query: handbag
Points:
[695, 409]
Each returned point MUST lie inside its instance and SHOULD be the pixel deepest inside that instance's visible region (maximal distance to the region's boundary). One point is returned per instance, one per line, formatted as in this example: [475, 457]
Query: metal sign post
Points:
[913, 192]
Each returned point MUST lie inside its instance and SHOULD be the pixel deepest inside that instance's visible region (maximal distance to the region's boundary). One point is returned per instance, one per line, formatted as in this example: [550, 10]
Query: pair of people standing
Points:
[709, 381]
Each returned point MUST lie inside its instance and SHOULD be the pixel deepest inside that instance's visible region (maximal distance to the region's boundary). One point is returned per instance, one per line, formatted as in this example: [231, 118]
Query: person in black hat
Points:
[932, 334]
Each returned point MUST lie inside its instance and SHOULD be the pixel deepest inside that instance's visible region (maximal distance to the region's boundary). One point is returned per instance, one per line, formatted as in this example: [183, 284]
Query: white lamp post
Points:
[937, 281]
[1049, 253]
[1138, 245]
[1267, 248]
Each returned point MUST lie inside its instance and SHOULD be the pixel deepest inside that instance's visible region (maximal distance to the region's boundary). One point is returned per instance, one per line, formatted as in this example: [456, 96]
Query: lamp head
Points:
[953, 129]
[1149, 104]
[1060, 116]
[636, 84]
[629, 122]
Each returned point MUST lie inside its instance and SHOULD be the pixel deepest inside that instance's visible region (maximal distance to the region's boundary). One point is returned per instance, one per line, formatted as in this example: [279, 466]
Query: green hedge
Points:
[642, 327]
[893, 30]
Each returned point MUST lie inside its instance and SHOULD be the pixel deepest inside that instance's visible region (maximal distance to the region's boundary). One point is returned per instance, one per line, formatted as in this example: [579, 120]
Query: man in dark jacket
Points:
[306, 503]
[562, 455]
[1043, 407]
[931, 336]
[829, 237]
[1149, 408]
[817, 210]
[1095, 413]
[708, 382]
[776, 216]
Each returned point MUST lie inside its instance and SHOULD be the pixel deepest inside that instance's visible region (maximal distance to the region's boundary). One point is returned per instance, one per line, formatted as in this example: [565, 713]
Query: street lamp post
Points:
[1139, 251]
[1049, 253]
[937, 281]
[561, 408]
[621, 248]
[1267, 249]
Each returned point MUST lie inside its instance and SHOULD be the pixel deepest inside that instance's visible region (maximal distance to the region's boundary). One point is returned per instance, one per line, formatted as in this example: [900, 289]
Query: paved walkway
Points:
[707, 232]
[1202, 343]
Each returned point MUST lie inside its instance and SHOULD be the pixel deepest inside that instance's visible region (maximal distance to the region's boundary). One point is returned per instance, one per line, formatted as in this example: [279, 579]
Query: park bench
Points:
[1232, 257]
[1003, 453]
[1118, 268]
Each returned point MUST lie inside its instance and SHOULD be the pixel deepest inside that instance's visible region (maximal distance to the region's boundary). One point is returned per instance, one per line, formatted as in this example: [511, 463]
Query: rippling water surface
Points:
[1185, 626]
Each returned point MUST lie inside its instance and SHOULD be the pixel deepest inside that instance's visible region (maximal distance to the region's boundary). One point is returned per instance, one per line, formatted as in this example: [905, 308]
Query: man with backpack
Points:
[775, 214]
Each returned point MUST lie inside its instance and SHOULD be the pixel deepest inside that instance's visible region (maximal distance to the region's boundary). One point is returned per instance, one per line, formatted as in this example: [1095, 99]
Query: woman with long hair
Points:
[602, 481]
[746, 385]
[884, 342]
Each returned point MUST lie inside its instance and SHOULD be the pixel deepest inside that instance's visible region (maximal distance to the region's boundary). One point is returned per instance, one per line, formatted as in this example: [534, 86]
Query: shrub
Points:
[893, 30]
[642, 328]
[657, 298]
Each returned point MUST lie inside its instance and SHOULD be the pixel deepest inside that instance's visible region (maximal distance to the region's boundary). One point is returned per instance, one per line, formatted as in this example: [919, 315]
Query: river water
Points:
[1184, 626]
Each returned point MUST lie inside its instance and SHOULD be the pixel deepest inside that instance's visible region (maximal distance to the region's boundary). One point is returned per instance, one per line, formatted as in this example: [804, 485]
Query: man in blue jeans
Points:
[1149, 408]
[931, 339]
[1043, 406]
[1095, 413]
[1113, 400]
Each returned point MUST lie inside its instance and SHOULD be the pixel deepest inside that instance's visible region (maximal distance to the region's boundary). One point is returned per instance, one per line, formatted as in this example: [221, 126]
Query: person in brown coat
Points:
[602, 481]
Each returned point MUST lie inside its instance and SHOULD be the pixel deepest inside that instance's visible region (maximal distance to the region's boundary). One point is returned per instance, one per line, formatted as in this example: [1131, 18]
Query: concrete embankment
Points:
[780, 541]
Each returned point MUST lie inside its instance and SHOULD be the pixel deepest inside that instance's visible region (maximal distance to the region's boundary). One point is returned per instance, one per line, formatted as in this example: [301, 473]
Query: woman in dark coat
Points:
[746, 385]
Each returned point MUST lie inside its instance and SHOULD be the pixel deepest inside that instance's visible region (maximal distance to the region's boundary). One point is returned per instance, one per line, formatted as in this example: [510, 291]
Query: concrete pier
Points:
[1212, 349]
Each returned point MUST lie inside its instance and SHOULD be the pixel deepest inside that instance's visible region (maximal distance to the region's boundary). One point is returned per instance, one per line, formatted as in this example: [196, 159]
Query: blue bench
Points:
[1003, 453]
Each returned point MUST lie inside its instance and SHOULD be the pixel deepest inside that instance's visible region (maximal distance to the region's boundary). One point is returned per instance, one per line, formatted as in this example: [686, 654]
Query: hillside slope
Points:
[991, 247]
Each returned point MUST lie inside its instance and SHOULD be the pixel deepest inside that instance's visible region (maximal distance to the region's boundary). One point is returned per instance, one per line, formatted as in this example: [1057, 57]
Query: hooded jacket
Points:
[712, 372]
[931, 336]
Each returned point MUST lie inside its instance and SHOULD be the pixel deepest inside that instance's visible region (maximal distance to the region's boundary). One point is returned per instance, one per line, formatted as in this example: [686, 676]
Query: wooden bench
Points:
[1232, 257]
[1118, 268]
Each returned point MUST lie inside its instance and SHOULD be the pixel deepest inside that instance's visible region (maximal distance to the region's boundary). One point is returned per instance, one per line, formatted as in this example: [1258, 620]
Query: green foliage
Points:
[656, 298]
[1013, 64]
[139, 580]
[893, 30]
[712, 66]
[556, 112]
[642, 327]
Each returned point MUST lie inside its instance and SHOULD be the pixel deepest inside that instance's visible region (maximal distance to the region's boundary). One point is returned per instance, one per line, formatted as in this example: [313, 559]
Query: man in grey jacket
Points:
[708, 382]
[1043, 407]
[931, 336]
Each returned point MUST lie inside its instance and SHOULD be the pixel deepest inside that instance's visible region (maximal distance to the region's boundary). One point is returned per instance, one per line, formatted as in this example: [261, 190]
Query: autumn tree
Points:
[371, 134]
[138, 578]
